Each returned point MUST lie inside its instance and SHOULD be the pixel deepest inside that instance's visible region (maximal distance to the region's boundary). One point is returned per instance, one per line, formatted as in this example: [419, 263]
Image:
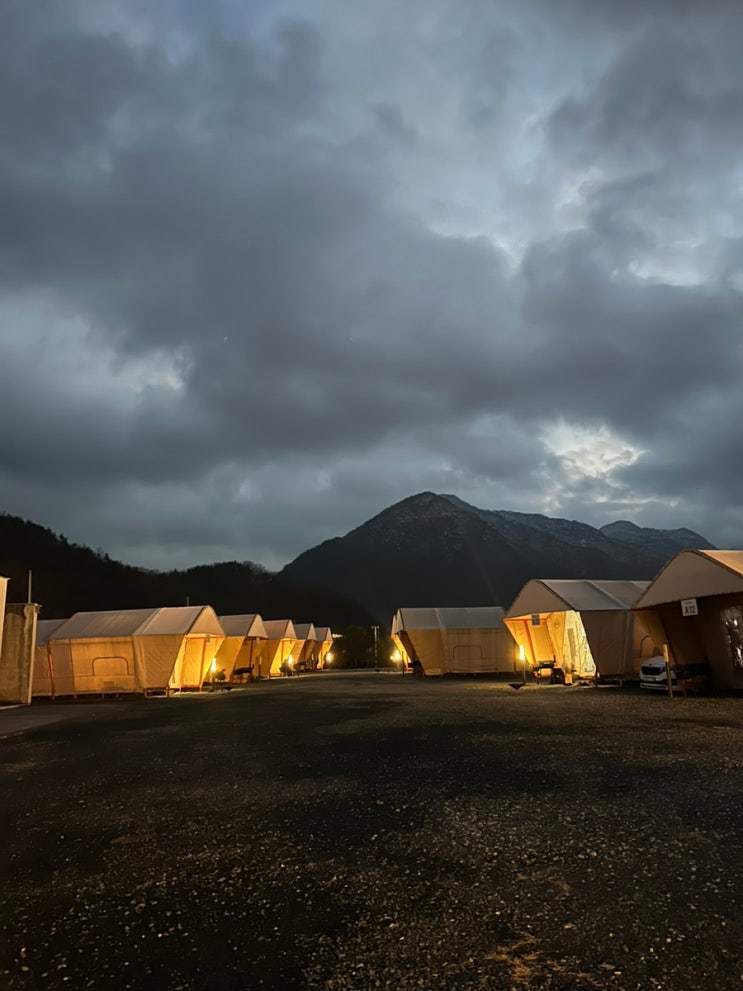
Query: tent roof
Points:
[45, 628]
[280, 629]
[169, 620]
[180, 620]
[305, 631]
[323, 633]
[694, 574]
[444, 618]
[243, 625]
[96, 625]
[559, 595]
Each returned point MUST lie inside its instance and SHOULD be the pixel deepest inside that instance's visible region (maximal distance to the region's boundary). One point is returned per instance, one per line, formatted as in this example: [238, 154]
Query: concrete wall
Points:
[17, 653]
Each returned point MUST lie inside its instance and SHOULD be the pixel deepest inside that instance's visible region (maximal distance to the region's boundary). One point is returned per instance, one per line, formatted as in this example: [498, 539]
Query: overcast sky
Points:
[268, 267]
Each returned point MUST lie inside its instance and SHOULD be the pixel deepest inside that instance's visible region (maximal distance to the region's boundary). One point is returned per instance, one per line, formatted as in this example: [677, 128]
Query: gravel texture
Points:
[361, 831]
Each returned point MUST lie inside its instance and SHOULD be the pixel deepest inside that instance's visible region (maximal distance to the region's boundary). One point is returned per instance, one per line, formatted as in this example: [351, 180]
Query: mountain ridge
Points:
[70, 577]
[436, 549]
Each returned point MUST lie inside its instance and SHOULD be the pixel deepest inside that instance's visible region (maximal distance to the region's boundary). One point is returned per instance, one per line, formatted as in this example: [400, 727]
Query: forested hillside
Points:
[68, 577]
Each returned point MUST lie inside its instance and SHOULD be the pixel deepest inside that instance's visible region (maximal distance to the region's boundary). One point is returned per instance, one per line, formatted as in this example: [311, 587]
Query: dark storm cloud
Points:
[604, 336]
[275, 266]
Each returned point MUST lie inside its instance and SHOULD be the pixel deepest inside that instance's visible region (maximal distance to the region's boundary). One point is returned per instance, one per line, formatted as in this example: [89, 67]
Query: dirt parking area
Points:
[370, 831]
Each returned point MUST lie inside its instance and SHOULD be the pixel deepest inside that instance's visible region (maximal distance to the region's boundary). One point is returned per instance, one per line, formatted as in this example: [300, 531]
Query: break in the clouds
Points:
[266, 268]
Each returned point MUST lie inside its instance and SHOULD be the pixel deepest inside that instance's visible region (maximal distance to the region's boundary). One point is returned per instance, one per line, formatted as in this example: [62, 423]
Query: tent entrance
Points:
[558, 637]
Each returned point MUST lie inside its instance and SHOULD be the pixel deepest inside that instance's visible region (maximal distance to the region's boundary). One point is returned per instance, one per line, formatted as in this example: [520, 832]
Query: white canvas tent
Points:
[244, 640]
[280, 644]
[695, 605]
[130, 650]
[460, 640]
[585, 627]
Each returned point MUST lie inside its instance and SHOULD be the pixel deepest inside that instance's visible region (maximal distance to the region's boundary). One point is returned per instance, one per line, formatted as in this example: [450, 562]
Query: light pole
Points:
[376, 656]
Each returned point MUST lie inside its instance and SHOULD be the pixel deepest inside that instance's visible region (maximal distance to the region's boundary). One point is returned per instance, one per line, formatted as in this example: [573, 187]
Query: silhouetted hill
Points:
[69, 577]
[436, 550]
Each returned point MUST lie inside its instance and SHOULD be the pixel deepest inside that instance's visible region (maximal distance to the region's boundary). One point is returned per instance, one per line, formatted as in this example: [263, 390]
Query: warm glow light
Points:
[396, 657]
[329, 657]
[214, 665]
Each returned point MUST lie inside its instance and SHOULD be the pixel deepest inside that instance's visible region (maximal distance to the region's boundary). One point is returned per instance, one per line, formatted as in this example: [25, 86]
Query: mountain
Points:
[69, 577]
[437, 550]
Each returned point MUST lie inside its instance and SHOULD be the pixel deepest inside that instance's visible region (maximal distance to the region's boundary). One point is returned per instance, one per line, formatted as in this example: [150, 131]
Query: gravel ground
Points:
[370, 831]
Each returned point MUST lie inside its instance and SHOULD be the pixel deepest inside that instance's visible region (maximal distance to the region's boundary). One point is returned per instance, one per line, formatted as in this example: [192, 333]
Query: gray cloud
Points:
[264, 272]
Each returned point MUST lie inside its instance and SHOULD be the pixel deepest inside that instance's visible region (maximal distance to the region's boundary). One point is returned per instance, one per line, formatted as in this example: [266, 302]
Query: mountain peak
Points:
[438, 550]
[621, 526]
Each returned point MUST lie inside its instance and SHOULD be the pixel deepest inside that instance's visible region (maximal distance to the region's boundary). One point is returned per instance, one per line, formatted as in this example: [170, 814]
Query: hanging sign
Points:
[535, 619]
[689, 607]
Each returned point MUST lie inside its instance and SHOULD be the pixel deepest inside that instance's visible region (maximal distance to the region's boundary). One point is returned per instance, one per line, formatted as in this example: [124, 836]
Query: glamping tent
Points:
[584, 627]
[695, 605]
[321, 646]
[306, 640]
[454, 641]
[280, 643]
[244, 640]
[130, 650]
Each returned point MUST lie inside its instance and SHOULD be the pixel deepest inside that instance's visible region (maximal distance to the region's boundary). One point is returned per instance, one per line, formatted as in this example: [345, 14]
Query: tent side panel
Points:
[400, 645]
[609, 637]
[196, 659]
[485, 651]
[721, 623]
[683, 635]
[251, 655]
[278, 652]
[42, 680]
[429, 649]
[61, 667]
[407, 647]
[227, 654]
[553, 625]
[541, 639]
[157, 656]
[266, 658]
[715, 635]
[521, 641]
[93, 667]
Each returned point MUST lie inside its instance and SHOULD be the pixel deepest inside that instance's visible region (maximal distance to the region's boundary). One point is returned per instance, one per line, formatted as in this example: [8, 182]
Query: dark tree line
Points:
[69, 577]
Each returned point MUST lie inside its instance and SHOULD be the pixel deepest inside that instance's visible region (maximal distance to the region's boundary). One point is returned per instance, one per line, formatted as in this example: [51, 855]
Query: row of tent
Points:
[593, 629]
[169, 649]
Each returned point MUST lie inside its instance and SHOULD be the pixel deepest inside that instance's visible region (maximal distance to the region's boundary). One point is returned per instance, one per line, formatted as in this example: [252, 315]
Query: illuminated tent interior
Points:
[695, 605]
[583, 626]
[306, 640]
[244, 641]
[322, 646]
[454, 640]
[280, 643]
[130, 650]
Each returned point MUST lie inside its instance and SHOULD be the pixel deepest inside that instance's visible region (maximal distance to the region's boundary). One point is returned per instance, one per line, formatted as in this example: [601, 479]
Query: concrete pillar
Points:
[17, 653]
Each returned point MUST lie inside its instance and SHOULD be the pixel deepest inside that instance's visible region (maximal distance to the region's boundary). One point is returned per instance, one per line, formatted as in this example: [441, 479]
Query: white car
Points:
[653, 673]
